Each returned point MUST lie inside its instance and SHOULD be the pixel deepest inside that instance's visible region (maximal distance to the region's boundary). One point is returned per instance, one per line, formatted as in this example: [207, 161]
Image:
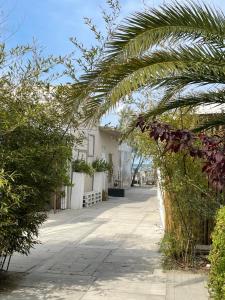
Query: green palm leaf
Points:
[191, 101]
[175, 48]
[174, 22]
[110, 86]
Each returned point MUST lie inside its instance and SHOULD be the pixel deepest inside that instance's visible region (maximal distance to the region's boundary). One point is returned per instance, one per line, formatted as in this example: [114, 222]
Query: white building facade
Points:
[99, 142]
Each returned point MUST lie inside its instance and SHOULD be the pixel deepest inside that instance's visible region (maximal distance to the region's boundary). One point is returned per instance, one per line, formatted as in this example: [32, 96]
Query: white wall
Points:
[100, 183]
[88, 183]
[126, 164]
[77, 190]
[160, 198]
[110, 145]
[105, 142]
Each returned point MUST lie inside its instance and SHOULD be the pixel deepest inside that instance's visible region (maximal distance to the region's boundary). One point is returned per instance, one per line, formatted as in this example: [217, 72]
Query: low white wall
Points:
[77, 190]
[160, 198]
[100, 182]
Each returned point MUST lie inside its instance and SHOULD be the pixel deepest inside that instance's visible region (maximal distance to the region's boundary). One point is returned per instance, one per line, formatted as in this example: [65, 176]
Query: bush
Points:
[100, 165]
[33, 166]
[34, 147]
[19, 216]
[81, 166]
[171, 248]
[190, 207]
[217, 258]
[190, 202]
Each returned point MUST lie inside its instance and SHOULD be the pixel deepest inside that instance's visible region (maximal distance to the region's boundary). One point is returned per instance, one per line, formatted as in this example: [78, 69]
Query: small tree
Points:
[192, 168]
[140, 149]
[34, 147]
[85, 58]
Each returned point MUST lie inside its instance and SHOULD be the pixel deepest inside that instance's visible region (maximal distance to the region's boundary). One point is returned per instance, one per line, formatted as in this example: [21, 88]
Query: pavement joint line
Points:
[77, 260]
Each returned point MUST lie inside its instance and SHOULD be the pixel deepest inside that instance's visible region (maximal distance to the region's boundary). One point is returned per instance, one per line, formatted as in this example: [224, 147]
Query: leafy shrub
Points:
[34, 147]
[81, 166]
[100, 165]
[217, 258]
[36, 166]
[169, 246]
[176, 251]
[19, 216]
[190, 202]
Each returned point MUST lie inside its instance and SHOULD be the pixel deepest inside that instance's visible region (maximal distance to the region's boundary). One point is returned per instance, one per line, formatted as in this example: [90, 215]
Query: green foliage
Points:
[37, 153]
[35, 119]
[138, 56]
[100, 165]
[190, 204]
[81, 166]
[172, 249]
[39, 156]
[20, 216]
[189, 201]
[217, 258]
[34, 147]
[136, 140]
[86, 56]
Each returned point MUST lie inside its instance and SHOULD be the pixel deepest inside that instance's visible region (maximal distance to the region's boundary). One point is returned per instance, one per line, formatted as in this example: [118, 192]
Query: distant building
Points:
[101, 142]
[146, 175]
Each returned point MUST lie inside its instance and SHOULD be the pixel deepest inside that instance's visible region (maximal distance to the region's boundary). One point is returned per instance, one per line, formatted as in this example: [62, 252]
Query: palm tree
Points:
[178, 49]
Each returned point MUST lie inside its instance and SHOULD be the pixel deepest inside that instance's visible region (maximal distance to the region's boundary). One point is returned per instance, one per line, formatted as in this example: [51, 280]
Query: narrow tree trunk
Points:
[136, 170]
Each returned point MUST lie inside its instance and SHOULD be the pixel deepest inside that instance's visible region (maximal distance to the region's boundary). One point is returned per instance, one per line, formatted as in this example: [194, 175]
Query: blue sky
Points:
[53, 22]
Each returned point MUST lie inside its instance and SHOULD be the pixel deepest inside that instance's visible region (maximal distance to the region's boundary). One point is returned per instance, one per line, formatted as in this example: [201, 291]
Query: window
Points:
[91, 145]
[82, 154]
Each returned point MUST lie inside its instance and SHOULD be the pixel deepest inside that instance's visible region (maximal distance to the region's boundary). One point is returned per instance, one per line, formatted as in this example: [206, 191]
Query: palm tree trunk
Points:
[141, 160]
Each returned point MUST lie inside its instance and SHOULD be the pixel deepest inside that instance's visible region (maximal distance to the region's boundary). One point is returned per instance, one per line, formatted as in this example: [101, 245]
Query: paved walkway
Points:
[109, 251]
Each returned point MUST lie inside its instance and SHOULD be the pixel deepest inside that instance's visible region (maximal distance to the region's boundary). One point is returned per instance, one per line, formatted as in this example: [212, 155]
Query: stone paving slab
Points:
[43, 294]
[109, 251]
[48, 280]
[147, 287]
[186, 286]
[114, 295]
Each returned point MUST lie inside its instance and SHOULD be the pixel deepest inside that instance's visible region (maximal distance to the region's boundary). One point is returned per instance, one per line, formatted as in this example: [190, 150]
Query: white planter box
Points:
[77, 190]
[79, 198]
[100, 182]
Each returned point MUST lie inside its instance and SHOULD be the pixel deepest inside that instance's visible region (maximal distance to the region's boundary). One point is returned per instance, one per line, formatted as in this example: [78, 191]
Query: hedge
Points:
[217, 258]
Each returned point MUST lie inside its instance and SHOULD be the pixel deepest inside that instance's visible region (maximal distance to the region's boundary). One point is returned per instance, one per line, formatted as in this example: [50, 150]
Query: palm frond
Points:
[171, 22]
[215, 122]
[110, 86]
[139, 56]
[195, 100]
